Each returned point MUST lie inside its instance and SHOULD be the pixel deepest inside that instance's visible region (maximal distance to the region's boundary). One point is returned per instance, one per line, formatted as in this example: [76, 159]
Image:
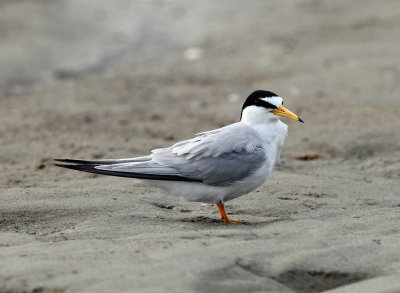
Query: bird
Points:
[215, 166]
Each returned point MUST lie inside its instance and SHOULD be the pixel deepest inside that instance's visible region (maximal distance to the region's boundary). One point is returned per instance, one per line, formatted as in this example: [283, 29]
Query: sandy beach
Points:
[98, 80]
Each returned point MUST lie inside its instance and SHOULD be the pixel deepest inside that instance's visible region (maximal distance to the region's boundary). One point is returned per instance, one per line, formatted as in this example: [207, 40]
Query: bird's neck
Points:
[266, 124]
[253, 116]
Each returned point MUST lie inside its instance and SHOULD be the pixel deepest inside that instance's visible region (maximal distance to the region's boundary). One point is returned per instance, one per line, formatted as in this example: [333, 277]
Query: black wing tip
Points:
[72, 161]
[301, 120]
[86, 168]
[68, 160]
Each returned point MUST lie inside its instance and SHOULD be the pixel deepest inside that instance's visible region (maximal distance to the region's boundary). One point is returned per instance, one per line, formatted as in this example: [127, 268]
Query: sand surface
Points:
[97, 80]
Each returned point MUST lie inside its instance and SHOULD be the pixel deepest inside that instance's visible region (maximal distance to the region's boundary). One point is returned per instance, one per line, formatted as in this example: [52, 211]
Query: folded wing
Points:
[220, 157]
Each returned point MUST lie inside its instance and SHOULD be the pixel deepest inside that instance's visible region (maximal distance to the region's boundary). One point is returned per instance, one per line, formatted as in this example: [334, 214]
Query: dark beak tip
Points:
[301, 120]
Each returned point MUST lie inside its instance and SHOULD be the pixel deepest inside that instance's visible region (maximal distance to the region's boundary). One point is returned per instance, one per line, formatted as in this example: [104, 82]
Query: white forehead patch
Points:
[277, 101]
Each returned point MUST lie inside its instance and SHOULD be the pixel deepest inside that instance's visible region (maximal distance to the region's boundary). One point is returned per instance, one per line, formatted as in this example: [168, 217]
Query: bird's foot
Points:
[224, 216]
[230, 221]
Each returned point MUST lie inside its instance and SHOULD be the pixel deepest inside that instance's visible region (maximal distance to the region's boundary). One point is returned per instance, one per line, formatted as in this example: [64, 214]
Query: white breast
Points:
[273, 135]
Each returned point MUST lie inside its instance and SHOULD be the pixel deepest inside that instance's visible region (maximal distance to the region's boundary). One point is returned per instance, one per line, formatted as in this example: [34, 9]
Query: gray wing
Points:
[220, 157]
[219, 171]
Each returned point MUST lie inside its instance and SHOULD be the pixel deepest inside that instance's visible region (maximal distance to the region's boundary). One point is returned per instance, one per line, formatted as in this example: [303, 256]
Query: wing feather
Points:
[105, 162]
[220, 157]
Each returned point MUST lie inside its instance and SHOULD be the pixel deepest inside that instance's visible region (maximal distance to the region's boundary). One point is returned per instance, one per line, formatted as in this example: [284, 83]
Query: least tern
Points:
[215, 166]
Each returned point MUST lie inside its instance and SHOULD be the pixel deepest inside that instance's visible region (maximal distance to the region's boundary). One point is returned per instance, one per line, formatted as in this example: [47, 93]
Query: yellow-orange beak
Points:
[282, 111]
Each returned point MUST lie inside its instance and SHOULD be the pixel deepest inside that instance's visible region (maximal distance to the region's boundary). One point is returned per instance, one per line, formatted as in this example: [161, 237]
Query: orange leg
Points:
[224, 216]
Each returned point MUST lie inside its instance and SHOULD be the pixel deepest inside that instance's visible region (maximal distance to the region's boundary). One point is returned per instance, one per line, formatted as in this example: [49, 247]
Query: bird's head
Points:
[262, 106]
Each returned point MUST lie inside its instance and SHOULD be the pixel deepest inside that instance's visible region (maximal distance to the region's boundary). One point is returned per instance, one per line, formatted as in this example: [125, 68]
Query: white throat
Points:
[254, 115]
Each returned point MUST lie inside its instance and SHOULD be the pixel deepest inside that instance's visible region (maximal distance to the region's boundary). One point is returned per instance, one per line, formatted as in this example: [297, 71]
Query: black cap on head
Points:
[255, 99]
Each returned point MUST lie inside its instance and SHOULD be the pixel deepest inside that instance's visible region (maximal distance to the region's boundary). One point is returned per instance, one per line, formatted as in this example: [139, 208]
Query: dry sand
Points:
[79, 81]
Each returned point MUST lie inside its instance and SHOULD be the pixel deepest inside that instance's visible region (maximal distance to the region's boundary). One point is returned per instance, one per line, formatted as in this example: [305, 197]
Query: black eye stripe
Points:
[265, 104]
